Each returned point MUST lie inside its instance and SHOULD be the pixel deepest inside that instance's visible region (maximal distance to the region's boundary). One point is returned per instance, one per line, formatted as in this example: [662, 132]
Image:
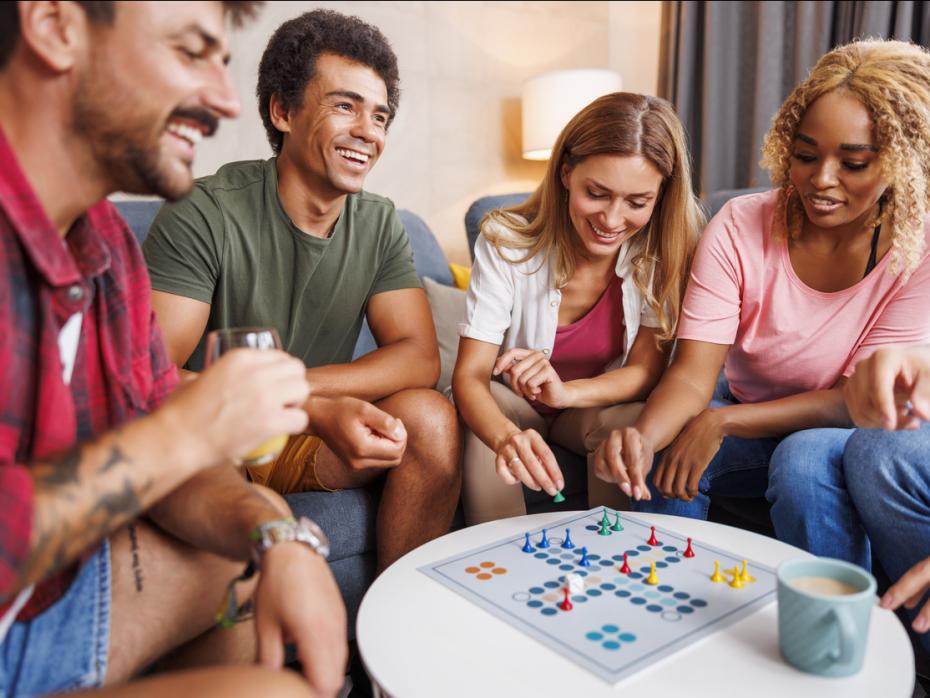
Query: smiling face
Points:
[336, 136]
[834, 165]
[155, 84]
[610, 198]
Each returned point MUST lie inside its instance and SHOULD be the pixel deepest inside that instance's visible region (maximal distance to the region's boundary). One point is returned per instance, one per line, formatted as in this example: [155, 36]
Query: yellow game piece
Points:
[716, 576]
[744, 575]
[737, 583]
[653, 578]
[732, 570]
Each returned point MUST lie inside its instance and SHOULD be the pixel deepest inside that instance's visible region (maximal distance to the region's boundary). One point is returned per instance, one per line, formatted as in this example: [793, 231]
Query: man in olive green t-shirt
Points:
[294, 243]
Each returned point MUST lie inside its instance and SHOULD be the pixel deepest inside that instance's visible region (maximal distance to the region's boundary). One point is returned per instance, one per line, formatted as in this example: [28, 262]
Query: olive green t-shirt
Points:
[231, 244]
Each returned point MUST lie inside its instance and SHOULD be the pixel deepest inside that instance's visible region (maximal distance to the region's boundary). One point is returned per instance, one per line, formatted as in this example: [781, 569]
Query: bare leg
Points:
[420, 494]
[225, 682]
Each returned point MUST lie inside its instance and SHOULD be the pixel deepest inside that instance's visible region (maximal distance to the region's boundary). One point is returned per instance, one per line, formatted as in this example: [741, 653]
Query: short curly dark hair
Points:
[289, 61]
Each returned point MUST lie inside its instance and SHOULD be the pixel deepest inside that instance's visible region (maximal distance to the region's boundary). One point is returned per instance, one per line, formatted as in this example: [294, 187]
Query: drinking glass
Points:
[221, 341]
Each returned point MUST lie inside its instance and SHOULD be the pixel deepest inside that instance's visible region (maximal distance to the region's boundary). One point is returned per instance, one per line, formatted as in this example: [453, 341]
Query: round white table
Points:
[418, 638]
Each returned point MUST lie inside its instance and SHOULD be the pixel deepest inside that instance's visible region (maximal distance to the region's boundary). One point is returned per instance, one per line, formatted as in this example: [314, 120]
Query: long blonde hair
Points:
[892, 81]
[621, 123]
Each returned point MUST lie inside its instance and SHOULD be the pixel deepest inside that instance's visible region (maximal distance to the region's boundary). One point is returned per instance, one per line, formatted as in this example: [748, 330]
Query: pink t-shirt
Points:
[585, 347]
[786, 337]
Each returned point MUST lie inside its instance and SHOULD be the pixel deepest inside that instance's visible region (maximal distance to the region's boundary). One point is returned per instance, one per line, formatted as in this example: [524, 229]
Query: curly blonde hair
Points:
[621, 123]
[892, 80]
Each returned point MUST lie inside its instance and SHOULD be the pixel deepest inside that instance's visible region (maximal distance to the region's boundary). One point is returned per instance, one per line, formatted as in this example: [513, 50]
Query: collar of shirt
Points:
[59, 265]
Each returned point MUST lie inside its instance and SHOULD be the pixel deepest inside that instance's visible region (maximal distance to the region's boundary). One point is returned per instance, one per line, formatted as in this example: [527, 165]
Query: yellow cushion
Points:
[460, 275]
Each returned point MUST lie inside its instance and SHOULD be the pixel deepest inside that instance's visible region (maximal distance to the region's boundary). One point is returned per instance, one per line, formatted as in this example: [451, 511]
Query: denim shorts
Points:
[65, 647]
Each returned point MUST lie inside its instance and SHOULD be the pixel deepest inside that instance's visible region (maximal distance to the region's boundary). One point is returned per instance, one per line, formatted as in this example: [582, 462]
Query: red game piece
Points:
[626, 565]
[566, 605]
[689, 551]
[652, 539]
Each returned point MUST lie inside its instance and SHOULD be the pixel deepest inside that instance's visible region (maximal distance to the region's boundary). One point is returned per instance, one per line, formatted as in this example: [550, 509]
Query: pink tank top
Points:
[585, 347]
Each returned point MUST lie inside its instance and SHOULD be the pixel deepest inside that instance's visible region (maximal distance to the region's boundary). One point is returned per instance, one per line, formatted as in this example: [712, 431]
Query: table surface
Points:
[419, 638]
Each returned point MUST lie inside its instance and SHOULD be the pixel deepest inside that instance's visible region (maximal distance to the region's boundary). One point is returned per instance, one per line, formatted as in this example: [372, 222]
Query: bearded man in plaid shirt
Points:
[97, 97]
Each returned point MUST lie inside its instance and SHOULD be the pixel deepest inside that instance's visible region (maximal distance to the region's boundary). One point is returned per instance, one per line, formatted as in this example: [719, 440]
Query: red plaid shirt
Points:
[121, 369]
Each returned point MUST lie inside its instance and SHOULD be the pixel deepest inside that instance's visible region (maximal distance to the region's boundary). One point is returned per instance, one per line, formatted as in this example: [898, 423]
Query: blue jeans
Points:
[800, 474]
[888, 474]
[65, 647]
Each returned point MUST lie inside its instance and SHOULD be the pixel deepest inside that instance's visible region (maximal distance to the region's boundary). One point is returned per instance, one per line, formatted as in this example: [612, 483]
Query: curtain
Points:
[728, 66]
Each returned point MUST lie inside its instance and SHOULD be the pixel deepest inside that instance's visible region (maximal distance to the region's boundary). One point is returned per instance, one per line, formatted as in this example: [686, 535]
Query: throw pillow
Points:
[447, 305]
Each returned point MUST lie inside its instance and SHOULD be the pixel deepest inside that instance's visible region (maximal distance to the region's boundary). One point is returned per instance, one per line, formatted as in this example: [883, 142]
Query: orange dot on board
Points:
[499, 570]
[472, 570]
[487, 564]
[484, 575]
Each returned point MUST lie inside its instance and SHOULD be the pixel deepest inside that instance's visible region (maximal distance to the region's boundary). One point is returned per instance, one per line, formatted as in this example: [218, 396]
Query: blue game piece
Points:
[584, 561]
[567, 543]
[544, 541]
[527, 548]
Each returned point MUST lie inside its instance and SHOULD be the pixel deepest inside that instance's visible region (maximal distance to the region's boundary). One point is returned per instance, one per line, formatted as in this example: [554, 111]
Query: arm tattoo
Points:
[79, 500]
[134, 550]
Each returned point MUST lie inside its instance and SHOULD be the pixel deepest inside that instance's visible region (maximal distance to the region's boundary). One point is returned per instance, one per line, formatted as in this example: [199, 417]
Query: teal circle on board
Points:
[627, 637]
[611, 645]
[594, 636]
[610, 628]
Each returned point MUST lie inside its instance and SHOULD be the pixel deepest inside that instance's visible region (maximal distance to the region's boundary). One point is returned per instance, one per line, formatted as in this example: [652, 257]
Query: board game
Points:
[607, 590]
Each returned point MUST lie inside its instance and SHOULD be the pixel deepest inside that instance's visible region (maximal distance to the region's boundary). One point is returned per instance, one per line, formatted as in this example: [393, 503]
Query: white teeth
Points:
[188, 133]
[353, 155]
[602, 233]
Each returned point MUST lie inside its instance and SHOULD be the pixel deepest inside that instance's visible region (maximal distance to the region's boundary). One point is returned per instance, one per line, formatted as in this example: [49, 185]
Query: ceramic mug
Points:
[824, 608]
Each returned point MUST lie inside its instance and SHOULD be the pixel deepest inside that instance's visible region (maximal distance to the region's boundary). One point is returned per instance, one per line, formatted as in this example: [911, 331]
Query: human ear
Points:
[279, 115]
[564, 174]
[55, 33]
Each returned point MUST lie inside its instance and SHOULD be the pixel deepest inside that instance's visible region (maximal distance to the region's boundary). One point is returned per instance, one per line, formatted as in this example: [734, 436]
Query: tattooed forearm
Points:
[134, 550]
[81, 497]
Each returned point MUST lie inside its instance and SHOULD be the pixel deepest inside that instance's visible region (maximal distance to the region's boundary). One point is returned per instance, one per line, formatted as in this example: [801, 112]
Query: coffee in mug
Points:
[823, 585]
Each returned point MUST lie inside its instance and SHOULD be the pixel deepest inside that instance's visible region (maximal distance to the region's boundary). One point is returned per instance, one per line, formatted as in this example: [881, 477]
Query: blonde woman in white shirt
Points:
[573, 301]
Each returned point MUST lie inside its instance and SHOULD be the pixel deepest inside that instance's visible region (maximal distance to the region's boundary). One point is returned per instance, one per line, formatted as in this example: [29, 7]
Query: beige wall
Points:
[457, 134]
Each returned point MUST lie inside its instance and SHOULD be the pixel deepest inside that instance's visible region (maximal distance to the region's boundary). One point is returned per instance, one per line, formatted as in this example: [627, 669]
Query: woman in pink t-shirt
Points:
[788, 290]
[573, 300]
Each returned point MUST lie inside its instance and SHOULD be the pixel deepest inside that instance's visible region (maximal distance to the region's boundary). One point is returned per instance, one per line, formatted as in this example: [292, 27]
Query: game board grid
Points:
[609, 672]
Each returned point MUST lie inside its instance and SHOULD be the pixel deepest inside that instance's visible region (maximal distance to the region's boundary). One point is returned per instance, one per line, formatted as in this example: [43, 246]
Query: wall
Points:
[457, 134]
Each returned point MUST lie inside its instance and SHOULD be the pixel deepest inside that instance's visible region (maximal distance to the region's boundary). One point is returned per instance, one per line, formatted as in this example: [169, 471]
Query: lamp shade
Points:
[552, 99]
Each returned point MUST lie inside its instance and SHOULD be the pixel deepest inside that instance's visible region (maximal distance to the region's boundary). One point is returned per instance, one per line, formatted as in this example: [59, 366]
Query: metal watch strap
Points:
[303, 530]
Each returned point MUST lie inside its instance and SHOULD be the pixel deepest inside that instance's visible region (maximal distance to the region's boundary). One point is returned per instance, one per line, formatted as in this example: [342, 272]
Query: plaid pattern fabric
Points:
[121, 369]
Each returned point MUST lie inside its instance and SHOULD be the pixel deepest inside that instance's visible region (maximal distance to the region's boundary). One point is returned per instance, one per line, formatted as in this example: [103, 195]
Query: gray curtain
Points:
[727, 67]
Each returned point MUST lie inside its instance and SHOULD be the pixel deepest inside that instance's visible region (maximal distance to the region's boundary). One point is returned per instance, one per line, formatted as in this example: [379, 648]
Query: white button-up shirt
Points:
[517, 305]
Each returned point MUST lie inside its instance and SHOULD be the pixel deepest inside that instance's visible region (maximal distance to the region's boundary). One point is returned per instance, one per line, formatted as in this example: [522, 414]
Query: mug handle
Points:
[847, 632]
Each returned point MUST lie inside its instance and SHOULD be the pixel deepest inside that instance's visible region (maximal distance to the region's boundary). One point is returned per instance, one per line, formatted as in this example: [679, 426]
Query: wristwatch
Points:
[302, 530]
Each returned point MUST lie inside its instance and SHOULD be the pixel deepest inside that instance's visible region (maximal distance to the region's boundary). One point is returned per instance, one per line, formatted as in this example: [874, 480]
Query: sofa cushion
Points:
[447, 305]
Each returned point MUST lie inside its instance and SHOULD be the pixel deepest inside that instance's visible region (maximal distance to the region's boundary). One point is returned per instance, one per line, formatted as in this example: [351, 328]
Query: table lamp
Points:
[552, 99]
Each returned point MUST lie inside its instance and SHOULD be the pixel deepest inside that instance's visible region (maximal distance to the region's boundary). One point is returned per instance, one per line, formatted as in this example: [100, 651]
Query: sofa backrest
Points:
[428, 256]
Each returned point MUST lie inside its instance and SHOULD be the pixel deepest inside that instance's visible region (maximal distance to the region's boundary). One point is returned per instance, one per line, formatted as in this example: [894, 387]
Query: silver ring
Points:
[515, 458]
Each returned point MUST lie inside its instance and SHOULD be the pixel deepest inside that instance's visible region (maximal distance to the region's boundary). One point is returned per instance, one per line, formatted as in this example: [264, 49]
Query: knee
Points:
[276, 499]
[805, 462]
[433, 429]
[878, 463]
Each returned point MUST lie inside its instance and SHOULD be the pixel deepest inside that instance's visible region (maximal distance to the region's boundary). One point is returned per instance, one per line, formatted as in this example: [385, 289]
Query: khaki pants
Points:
[486, 497]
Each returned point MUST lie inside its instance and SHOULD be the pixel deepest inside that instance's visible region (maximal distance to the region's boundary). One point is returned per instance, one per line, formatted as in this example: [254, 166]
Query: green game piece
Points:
[559, 498]
[617, 525]
[605, 531]
[604, 520]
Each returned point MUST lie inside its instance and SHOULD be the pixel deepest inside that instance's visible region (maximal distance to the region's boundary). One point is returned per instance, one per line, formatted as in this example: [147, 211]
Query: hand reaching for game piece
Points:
[891, 389]
[625, 458]
[909, 590]
[525, 457]
[533, 378]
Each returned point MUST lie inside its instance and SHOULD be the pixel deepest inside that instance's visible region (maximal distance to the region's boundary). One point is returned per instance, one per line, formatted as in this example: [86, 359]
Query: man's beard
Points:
[125, 148]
